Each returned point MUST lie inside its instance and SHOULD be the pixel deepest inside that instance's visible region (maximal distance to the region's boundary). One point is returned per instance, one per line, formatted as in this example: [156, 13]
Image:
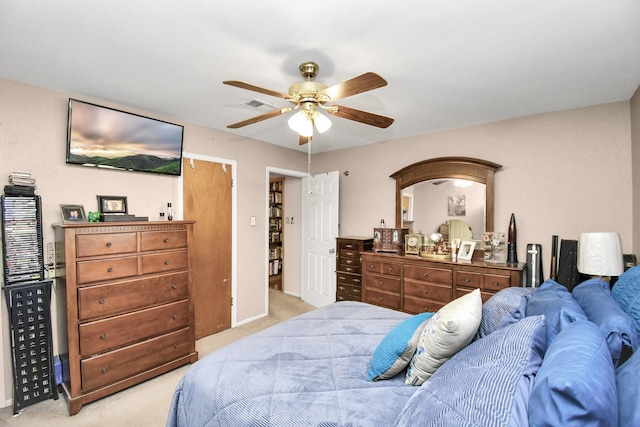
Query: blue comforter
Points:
[307, 371]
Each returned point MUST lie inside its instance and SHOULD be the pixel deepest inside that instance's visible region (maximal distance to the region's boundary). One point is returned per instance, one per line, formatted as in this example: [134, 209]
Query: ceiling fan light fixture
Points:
[321, 121]
[301, 123]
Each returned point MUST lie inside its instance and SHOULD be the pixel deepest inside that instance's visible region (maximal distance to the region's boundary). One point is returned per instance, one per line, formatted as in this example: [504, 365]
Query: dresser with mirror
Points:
[452, 197]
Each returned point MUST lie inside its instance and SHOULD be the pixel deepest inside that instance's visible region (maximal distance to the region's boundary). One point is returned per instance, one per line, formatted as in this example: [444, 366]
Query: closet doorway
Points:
[207, 199]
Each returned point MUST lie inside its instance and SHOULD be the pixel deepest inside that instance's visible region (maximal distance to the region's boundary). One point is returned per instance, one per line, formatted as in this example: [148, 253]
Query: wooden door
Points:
[207, 200]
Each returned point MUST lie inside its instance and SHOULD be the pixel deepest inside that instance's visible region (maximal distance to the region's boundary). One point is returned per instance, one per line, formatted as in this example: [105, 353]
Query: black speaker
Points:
[568, 264]
[534, 265]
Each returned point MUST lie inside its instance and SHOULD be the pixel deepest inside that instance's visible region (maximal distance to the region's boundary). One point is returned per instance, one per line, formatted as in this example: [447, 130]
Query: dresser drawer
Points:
[342, 289]
[391, 268]
[165, 261]
[420, 305]
[349, 279]
[382, 298]
[121, 297]
[372, 266]
[428, 274]
[350, 253]
[350, 267]
[390, 284]
[349, 245]
[495, 282]
[469, 279]
[125, 362]
[484, 295]
[114, 332]
[430, 291]
[105, 244]
[106, 269]
[159, 240]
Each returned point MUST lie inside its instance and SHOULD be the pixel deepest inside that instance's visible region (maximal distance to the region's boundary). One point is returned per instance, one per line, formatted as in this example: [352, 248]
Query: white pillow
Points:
[450, 330]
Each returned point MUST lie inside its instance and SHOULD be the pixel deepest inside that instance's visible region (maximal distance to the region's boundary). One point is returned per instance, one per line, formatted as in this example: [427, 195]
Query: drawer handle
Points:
[425, 274]
[101, 300]
[372, 266]
[166, 240]
[102, 336]
[356, 291]
[349, 246]
[349, 261]
[426, 291]
[110, 269]
[356, 280]
[381, 298]
[467, 280]
[104, 370]
[175, 346]
[174, 286]
[390, 268]
[166, 262]
[381, 283]
[108, 244]
[496, 283]
[341, 288]
[175, 316]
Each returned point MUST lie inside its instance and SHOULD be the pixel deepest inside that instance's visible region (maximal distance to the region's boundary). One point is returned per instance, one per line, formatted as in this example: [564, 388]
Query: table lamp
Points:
[600, 254]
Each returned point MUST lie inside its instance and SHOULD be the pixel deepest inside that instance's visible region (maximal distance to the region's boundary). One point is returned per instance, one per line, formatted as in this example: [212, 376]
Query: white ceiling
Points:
[449, 64]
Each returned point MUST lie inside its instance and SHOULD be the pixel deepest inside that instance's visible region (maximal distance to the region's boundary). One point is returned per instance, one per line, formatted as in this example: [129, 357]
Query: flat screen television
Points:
[103, 137]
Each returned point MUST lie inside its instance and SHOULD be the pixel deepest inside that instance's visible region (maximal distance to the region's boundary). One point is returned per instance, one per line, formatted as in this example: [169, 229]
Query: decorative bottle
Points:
[169, 212]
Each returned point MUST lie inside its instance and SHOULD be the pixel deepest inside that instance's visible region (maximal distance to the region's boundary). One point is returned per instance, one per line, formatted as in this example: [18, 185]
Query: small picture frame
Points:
[466, 250]
[72, 213]
[112, 205]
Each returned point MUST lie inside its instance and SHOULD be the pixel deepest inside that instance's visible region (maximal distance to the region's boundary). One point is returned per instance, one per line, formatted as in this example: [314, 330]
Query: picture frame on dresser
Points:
[466, 250]
[113, 205]
[72, 214]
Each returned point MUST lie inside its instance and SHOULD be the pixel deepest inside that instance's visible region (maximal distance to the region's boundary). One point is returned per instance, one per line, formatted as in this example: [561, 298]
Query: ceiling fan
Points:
[309, 97]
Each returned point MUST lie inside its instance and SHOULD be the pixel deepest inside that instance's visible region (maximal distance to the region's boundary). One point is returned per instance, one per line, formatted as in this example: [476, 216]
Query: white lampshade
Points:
[322, 122]
[600, 254]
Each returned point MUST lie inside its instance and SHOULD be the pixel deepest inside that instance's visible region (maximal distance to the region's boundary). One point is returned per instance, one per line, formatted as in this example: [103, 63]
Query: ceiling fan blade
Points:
[305, 139]
[265, 116]
[247, 86]
[362, 83]
[360, 116]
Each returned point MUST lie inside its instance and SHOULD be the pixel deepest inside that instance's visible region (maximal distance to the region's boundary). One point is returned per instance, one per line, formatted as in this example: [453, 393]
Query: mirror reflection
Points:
[453, 207]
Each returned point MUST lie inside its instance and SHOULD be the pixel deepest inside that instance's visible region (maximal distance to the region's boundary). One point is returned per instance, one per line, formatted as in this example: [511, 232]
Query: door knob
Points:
[332, 251]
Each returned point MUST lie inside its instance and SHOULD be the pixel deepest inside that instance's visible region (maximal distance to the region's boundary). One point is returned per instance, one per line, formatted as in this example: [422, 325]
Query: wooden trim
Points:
[481, 171]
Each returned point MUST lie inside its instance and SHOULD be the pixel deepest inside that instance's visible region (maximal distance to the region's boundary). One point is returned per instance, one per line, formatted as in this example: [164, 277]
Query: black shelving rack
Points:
[28, 297]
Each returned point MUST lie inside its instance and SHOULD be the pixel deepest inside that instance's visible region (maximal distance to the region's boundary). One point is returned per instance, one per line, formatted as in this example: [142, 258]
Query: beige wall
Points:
[635, 144]
[33, 139]
[562, 173]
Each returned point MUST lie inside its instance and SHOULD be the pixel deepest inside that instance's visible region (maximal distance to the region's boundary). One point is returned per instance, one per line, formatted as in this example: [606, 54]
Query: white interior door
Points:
[320, 229]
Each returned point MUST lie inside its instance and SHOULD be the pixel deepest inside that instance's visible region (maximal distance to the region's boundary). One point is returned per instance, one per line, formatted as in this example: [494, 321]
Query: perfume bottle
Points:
[169, 212]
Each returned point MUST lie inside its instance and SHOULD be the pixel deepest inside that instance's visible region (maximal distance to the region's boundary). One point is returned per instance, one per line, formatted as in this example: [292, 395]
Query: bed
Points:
[542, 356]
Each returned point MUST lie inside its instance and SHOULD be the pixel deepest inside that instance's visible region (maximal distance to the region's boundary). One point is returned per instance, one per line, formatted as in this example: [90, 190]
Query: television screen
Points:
[107, 138]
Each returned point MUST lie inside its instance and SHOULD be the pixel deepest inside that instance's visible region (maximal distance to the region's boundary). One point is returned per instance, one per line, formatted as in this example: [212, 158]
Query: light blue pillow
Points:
[504, 308]
[558, 306]
[628, 381]
[576, 384]
[396, 349]
[486, 383]
[617, 326]
[626, 291]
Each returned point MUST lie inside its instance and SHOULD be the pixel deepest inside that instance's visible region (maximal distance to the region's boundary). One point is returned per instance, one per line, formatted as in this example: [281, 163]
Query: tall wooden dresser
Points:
[127, 294]
[349, 272]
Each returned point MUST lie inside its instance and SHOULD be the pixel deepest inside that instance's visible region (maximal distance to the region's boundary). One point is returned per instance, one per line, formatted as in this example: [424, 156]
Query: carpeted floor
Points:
[147, 404]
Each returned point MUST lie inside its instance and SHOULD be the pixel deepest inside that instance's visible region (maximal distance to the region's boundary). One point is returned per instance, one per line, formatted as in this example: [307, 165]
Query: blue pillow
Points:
[486, 383]
[557, 305]
[628, 381]
[576, 384]
[504, 308]
[626, 291]
[396, 349]
[617, 326]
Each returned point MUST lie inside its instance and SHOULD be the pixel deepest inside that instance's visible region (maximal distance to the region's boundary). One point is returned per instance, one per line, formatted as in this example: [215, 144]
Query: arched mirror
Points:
[450, 195]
